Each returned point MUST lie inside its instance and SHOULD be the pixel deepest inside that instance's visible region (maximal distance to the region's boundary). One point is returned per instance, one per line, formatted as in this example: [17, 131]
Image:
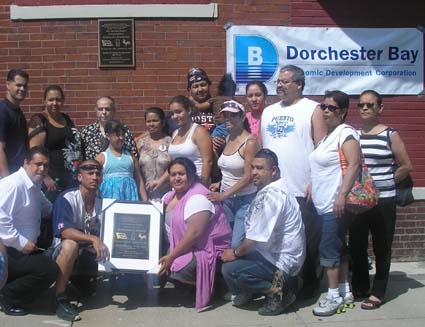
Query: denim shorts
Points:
[333, 247]
[85, 264]
[3, 269]
[235, 209]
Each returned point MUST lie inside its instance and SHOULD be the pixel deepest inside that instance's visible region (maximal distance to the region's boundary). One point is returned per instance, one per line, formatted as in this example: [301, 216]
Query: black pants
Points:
[29, 275]
[380, 220]
[313, 232]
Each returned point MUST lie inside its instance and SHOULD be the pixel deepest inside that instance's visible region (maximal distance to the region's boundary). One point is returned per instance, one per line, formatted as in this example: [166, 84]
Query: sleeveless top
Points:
[286, 130]
[64, 148]
[232, 168]
[117, 166]
[187, 149]
[254, 124]
[379, 159]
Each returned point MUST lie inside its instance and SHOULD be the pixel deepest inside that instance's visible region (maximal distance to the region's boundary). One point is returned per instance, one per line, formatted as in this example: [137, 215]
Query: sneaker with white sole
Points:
[241, 299]
[349, 301]
[328, 307]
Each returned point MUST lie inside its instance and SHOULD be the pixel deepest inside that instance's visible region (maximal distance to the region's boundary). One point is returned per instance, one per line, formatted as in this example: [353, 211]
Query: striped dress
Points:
[379, 159]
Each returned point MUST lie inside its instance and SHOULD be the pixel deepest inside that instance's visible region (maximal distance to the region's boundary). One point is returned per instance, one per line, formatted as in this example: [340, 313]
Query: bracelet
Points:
[235, 254]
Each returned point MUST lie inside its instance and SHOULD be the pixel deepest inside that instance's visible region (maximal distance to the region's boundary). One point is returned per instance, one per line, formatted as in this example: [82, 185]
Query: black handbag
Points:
[404, 194]
[404, 188]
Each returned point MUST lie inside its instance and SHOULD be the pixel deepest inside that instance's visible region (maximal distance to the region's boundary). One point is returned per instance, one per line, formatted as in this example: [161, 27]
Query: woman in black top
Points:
[56, 131]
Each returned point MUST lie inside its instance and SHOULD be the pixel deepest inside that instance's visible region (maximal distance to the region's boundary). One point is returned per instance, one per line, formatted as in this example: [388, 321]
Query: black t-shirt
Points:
[13, 132]
[204, 118]
[64, 148]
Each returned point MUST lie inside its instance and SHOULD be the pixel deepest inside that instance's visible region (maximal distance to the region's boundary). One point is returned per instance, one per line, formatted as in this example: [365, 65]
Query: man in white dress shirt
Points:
[272, 253]
[22, 205]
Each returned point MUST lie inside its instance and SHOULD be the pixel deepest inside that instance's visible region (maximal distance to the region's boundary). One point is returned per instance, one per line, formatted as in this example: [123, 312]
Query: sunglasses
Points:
[368, 105]
[91, 167]
[331, 108]
[195, 71]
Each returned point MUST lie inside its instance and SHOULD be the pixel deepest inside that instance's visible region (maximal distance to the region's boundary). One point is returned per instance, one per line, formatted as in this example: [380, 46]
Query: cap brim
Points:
[231, 109]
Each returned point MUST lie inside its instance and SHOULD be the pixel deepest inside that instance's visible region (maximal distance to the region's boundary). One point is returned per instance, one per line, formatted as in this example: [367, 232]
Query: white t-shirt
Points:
[326, 176]
[287, 132]
[197, 203]
[274, 221]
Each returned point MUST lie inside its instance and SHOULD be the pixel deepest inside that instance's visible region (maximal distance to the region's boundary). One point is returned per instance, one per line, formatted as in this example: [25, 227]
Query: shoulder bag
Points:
[363, 194]
[404, 188]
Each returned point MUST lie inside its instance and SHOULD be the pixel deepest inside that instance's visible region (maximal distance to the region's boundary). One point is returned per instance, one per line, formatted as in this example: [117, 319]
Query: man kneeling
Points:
[273, 250]
[76, 223]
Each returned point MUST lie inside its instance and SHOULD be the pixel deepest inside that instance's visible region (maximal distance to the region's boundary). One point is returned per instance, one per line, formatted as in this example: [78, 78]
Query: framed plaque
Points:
[116, 43]
[131, 231]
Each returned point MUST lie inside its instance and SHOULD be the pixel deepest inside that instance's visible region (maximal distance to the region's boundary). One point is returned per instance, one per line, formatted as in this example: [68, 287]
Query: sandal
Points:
[370, 304]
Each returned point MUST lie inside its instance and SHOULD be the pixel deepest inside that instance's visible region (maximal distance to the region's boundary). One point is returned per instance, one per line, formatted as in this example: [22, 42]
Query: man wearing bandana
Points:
[77, 246]
[198, 85]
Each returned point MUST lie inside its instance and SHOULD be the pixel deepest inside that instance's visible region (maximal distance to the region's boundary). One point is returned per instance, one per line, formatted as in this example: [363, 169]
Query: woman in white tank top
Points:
[236, 189]
[190, 140]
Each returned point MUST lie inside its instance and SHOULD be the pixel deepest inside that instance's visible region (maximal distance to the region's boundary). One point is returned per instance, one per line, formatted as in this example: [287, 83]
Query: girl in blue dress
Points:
[122, 179]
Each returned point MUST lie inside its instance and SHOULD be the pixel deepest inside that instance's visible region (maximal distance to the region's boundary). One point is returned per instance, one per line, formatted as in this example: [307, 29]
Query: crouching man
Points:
[76, 224]
[22, 206]
[272, 253]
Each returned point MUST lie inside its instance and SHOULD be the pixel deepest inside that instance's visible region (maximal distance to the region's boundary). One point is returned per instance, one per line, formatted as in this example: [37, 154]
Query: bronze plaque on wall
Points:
[116, 43]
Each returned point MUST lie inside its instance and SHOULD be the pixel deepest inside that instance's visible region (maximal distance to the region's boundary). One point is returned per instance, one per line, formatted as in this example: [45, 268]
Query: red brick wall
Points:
[409, 238]
[65, 53]
[102, 2]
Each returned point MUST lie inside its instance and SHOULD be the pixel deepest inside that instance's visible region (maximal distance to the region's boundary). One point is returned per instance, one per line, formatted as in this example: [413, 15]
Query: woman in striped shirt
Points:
[383, 148]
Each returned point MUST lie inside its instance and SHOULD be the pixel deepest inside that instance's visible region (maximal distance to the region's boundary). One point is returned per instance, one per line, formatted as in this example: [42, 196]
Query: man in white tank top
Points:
[291, 128]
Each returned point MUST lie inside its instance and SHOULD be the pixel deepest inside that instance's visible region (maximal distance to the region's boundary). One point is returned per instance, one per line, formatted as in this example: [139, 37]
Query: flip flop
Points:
[370, 304]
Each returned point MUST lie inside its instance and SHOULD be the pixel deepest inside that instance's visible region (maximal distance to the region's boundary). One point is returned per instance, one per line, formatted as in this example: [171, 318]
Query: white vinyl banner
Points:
[388, 60]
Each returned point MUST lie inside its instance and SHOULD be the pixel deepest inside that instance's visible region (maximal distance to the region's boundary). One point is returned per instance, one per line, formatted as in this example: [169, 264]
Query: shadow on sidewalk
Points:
[132, 291]
[399, 283]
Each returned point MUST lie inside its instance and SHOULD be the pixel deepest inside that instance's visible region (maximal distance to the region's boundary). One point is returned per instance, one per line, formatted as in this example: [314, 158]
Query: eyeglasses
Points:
[91, 167]
[283, 81]
[369, 105]
[331, 108]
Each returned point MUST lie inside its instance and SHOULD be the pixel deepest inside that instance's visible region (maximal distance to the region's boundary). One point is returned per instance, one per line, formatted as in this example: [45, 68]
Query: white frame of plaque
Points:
[107, 235]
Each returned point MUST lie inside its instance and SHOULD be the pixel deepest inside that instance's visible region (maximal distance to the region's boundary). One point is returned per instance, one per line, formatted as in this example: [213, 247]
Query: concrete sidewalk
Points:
[129, 303]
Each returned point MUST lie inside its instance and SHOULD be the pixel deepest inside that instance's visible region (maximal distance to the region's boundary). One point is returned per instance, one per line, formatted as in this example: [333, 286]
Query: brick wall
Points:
[409, 238]
[65, 53]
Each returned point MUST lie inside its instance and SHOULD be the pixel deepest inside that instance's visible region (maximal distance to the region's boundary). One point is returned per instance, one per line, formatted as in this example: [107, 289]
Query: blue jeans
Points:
[236, 208]
[252, 273]
[333, 248]
[3, 269]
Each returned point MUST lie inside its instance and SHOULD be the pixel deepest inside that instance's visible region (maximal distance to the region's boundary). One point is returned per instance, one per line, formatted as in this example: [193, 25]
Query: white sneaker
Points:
[349, 298]
[328, 307]
[349, 301]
